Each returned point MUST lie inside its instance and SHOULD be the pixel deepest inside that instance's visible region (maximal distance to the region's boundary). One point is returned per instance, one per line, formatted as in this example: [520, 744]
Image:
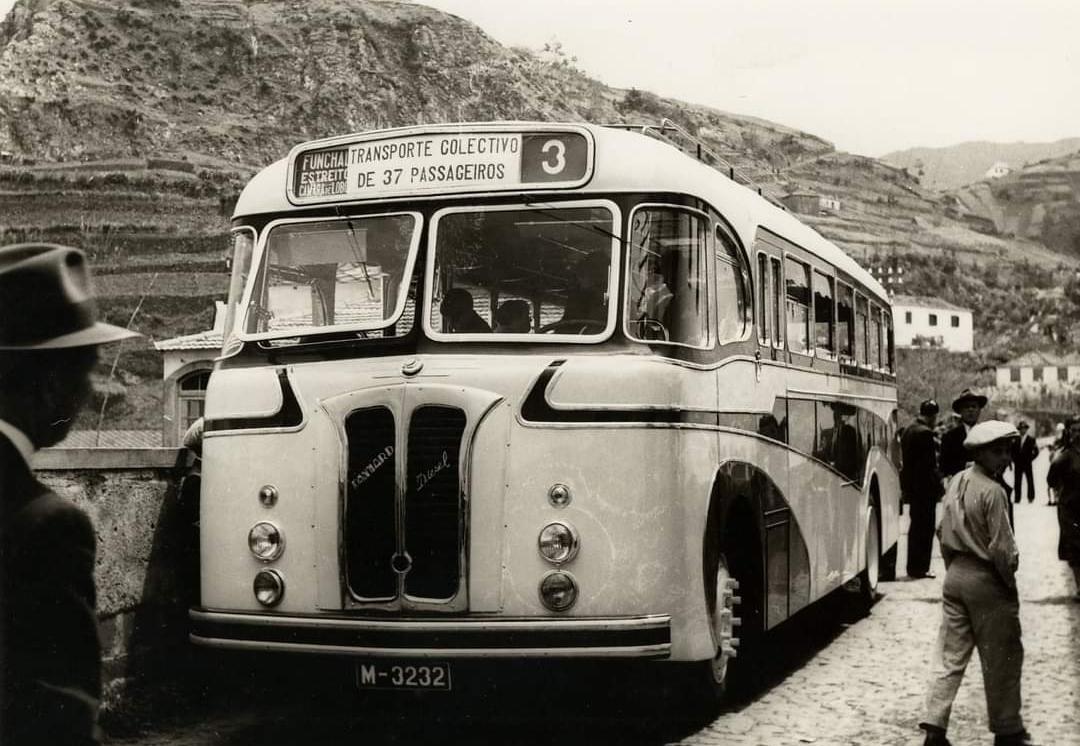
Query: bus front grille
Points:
[404, 544]
[370, 506]
[434, 530]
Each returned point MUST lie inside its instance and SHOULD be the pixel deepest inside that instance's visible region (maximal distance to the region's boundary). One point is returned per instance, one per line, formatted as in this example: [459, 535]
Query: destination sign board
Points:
[439, 162]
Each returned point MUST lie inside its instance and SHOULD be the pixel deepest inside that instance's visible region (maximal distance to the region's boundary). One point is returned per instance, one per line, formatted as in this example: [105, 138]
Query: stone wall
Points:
[147, 559]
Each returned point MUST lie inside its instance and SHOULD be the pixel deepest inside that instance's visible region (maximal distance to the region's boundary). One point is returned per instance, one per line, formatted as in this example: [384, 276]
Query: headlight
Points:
[265, 541]
[269, 588]
[558, 591]
[558, 543]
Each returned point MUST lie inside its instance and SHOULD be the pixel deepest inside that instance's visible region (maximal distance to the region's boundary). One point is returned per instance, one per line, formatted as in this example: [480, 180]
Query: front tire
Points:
[709, 679]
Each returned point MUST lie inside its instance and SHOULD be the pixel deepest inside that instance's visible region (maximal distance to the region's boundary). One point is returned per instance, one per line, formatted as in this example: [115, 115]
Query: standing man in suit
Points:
[954, 457]
[50, 664]
[920, 481]
[1025, 451]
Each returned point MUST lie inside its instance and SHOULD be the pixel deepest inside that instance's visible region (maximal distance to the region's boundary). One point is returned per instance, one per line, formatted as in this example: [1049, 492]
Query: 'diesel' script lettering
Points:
[425, 476]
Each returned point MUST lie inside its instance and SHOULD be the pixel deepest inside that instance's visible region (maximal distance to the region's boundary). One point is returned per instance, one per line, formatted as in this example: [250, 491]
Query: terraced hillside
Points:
[128, 127]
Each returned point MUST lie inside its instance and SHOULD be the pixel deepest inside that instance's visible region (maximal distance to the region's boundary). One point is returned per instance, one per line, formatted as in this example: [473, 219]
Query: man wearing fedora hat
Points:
[980, 603]
[954, 457]
[50, 665]
[1024, 455]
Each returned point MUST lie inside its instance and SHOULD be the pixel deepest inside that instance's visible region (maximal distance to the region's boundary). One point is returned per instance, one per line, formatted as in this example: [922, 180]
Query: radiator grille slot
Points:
[370, 513]
[434, 514]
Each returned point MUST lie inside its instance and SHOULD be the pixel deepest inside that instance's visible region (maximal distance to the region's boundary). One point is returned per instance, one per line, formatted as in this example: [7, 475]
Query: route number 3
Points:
[555, 157]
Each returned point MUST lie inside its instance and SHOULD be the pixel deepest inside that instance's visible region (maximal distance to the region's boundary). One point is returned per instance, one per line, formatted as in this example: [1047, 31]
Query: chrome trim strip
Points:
[587, 624]
[642, 651]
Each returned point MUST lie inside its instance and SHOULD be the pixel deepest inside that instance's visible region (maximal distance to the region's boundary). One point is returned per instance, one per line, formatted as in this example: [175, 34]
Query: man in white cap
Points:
[980, 604]
[50, 678]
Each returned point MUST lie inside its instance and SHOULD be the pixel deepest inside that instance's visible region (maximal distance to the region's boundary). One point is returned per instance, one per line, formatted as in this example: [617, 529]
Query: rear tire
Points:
[868, 578]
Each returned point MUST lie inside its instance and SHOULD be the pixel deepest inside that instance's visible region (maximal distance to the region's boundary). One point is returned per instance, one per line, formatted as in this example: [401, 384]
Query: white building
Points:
[187, 362]
[931, 322]
[1037, 369]
[998, 170]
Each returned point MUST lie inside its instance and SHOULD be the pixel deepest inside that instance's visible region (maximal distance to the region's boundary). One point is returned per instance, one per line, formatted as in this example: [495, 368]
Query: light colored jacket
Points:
[975, 520]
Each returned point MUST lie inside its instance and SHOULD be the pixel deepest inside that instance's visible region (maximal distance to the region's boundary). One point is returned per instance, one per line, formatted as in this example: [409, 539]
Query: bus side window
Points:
[823, 314]
[797, 292]
[890, 344]
[764, 311]
[733, 302]
[875, 336]
[777, 307]
[861, 330]
[845, 321]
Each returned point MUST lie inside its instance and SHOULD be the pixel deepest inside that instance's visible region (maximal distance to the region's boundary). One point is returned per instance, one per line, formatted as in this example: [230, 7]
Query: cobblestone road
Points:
[834, 683]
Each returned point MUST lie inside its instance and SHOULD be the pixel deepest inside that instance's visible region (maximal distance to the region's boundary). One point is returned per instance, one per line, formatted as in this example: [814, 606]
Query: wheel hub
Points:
[724, 622]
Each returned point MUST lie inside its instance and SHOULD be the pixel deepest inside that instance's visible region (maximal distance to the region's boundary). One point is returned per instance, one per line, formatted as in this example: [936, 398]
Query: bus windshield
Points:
[335, 275]
[522, 271]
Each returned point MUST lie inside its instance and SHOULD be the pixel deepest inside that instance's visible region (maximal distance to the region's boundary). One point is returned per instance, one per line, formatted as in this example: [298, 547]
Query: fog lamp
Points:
[558, 543]
[269, 588]
[558, 591]
[265, 541]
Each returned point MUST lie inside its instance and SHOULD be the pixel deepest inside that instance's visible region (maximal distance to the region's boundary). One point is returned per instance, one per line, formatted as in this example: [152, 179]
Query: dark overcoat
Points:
[954, 457]
[51, 664]
[920, 478]
[1064, 476]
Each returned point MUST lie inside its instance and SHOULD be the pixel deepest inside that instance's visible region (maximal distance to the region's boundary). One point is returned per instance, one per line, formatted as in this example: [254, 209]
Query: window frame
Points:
[931, 319]
[311, 334]
[779, 323]
[851, 358]
[824, 353]
[722, 235]
[863, 360]
[809, 351]
[954, 321]
[614, 294]
[710, 309]
[762, 298]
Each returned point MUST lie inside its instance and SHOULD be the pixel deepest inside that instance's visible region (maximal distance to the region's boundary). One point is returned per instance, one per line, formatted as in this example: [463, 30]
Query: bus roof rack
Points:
[679, 138]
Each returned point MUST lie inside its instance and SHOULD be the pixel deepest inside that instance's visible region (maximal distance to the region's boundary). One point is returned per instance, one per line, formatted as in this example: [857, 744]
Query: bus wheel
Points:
[887, 570]
[868, 579]
[710, 678]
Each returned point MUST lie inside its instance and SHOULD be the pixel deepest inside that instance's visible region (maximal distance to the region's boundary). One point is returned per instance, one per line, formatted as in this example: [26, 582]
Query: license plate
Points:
[401, 675]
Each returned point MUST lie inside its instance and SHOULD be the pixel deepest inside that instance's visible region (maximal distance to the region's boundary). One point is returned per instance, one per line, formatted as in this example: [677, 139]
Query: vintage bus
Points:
[534, 390]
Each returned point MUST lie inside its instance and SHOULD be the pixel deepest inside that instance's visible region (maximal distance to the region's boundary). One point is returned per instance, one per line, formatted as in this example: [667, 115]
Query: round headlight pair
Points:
[558, 590]
[558, 543]
[266, 541]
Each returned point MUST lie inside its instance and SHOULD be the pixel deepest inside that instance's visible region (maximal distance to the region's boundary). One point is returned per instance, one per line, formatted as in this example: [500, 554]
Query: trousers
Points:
[978, 611]
[1020, 471]
[920, 536]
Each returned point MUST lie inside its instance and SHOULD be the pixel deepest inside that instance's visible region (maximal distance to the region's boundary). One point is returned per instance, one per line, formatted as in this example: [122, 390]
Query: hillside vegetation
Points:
[129, 127]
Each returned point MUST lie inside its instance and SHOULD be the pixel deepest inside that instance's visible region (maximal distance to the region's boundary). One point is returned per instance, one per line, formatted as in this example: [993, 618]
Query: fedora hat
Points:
[46, 301]
[967, 395]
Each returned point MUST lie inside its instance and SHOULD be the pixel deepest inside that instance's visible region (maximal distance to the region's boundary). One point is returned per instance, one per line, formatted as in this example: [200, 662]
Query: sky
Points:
[871, 76]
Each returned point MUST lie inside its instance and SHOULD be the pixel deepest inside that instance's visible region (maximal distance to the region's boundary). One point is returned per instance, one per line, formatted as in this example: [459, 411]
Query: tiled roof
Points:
[926, 301]
[210, 340]
[1039, 359]
[111, 439]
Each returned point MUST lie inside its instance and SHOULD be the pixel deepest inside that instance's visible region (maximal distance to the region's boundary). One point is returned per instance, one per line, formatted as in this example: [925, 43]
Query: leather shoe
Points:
[935, 736]
[1023, 738]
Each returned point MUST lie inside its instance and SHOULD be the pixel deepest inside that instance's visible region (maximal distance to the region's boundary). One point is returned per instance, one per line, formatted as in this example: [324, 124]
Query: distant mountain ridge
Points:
[965, 163]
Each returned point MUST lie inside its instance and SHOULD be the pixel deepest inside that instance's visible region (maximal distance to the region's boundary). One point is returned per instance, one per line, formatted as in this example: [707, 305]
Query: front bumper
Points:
[612, 637]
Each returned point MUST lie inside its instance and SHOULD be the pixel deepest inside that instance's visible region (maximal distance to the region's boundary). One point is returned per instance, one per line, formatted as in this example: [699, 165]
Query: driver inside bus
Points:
[587, 295]
[458, 313]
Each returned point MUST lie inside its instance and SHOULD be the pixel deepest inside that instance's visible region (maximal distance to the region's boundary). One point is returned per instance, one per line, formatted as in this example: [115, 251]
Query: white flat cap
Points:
[987, 432]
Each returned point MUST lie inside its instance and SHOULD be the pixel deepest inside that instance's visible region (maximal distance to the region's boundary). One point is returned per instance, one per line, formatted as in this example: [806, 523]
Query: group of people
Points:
[980, 601]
